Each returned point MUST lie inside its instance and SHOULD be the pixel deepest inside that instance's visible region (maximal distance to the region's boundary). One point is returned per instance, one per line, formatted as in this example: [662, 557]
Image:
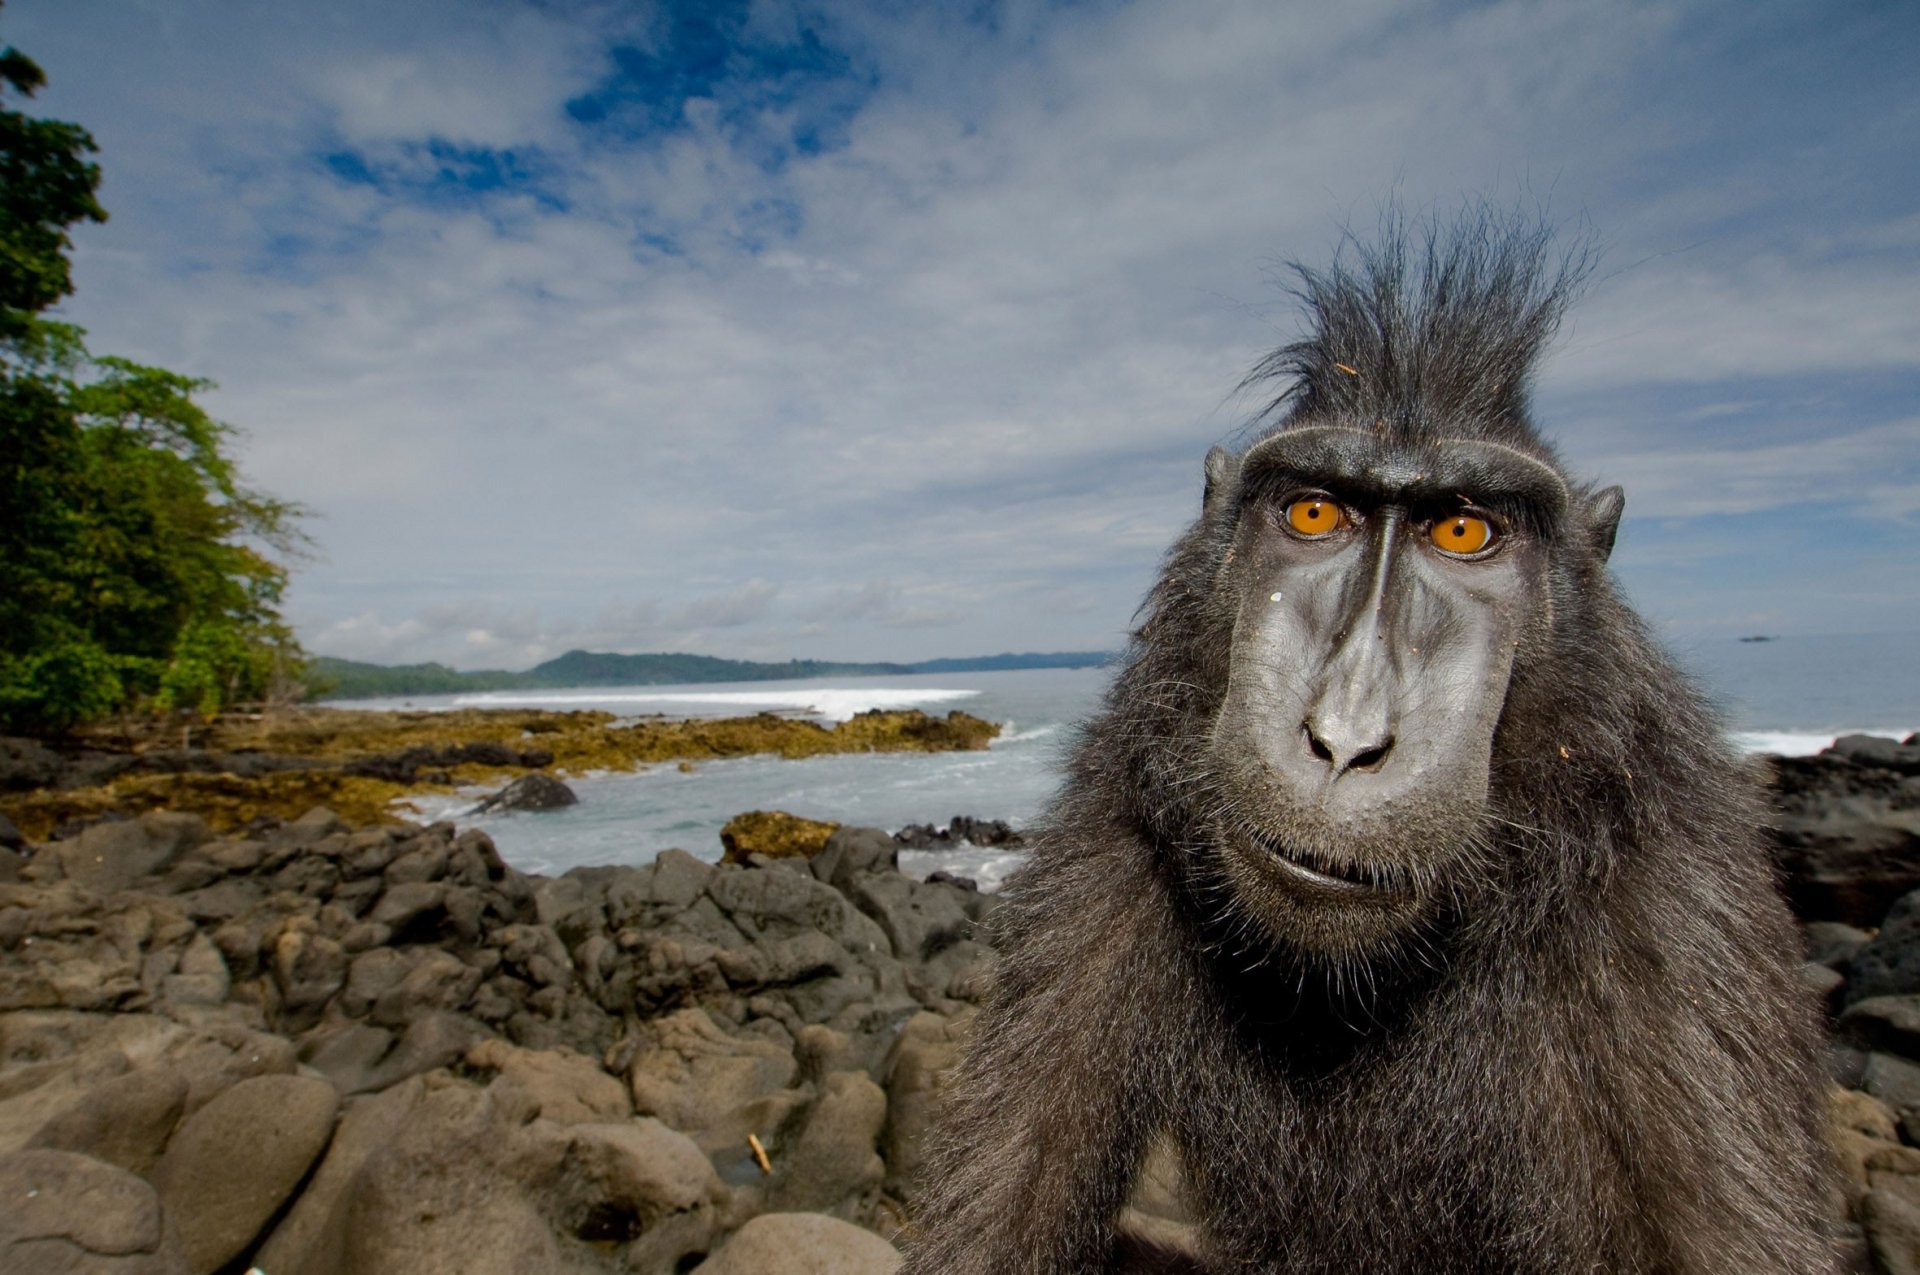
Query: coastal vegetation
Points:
[138, 570]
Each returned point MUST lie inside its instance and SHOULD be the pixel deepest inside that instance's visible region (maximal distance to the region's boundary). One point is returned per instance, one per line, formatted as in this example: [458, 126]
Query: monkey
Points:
[1401, 880]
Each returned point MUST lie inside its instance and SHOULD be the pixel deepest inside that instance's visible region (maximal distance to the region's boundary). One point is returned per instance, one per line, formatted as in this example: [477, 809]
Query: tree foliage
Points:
[134, 561]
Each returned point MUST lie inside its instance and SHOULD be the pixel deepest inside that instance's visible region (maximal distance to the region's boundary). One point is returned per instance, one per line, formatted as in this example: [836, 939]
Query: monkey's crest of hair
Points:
[1430, 330]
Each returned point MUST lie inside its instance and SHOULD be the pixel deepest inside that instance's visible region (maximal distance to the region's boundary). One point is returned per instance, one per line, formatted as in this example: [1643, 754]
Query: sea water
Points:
[1790, 695]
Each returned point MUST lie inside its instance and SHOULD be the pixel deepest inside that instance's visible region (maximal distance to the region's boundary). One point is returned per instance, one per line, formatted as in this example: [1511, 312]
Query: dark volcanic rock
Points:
[963, 830]
[1848, 836]
[26, 763]
[1901, 757]
[854, 850]
[1889, 965]
[537, 791]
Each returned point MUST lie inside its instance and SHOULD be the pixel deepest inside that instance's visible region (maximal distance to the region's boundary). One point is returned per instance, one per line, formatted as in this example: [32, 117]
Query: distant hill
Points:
[331, 678]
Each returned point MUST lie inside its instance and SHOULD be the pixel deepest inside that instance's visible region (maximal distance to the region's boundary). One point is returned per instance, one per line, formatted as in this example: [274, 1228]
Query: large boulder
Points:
[474, 1182]
[233, 1163]
[366, 1124]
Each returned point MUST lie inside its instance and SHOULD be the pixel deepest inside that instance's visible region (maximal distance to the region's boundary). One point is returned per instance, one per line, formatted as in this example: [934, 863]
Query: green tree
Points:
[134, 562]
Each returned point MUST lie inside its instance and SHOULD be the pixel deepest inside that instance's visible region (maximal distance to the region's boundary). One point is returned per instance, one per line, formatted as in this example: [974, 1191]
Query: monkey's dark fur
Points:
[1560, 1029]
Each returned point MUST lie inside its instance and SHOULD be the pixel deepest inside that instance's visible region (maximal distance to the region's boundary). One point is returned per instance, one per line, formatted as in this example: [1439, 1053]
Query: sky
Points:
[896, 331]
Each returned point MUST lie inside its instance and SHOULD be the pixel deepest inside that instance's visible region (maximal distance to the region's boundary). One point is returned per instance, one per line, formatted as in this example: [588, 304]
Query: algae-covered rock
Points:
[775, 834]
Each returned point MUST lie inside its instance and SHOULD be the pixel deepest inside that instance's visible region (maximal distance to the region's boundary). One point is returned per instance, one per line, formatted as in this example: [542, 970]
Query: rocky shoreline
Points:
[313, 1048]
[362, 763]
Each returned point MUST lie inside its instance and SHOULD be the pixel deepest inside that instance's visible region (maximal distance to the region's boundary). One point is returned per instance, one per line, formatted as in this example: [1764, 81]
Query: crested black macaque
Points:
[1402, 884]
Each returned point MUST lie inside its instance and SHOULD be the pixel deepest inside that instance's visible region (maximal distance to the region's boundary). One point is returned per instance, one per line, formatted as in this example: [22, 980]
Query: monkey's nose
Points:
[1346, 749]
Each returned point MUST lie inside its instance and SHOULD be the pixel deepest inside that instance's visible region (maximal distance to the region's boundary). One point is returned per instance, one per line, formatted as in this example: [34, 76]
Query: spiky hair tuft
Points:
[1432, 328]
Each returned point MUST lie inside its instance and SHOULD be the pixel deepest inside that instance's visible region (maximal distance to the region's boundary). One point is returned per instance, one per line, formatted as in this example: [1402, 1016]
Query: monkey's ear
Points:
[1222, 469]
[1603, 519]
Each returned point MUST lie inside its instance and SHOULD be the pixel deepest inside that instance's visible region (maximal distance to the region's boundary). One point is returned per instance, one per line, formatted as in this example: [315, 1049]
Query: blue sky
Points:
[899, 331]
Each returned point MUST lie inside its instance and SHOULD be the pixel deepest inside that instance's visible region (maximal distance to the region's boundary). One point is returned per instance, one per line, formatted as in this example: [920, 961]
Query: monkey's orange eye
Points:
[1315, 516]
[1462, 534]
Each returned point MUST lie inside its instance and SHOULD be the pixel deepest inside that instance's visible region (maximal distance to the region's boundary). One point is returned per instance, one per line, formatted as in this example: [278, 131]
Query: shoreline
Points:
[360, 762]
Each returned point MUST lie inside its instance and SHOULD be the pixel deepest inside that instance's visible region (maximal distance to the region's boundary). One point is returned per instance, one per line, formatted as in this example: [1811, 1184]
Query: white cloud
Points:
[979, 373]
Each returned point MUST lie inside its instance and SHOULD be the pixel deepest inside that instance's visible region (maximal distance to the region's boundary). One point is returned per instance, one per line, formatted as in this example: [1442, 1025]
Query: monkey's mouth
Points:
[1325, 875]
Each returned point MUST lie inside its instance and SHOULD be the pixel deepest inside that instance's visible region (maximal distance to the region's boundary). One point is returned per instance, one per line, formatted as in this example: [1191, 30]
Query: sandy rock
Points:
[470, 1182]
[53, 1063]
[1893, 1233]
[235, 1161]
[1894, 1081]
[714, 1086]
[216, 1056]
[639, 1186]
[1853, 1109]
[123, 1121]
[916, 1074]
[679, 879]
[537, 952]
[69, 1214]
[27, 763]
[201, 977]
[1895, 1170]
[403, 906]
[425, 860]
[802, 1244]
[1846, 848]
[558, 1085]
[431, 979]
[448, 1228]
[310, 829]
[365, 1125]
[832, 1165]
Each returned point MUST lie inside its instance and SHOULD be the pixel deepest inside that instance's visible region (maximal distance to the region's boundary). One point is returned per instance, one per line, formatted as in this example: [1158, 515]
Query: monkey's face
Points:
[1383, 590]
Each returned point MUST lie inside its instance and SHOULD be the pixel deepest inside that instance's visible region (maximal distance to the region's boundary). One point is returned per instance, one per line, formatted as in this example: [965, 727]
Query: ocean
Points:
[1789, 695]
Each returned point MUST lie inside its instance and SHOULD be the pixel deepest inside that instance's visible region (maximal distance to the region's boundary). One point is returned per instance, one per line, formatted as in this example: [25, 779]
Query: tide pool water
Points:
[1793, 695]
